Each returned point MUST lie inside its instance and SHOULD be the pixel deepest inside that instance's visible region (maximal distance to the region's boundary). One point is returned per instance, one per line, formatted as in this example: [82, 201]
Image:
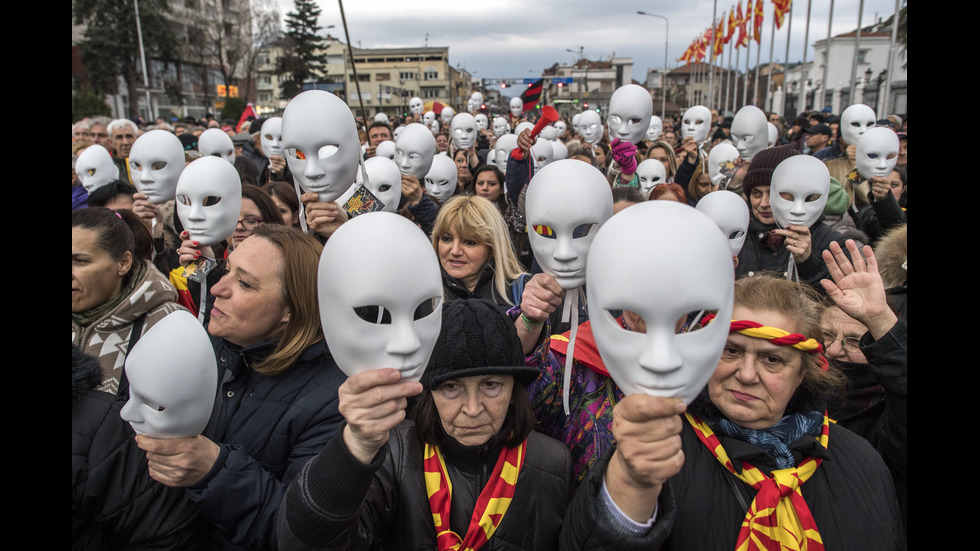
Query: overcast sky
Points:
[506, 39]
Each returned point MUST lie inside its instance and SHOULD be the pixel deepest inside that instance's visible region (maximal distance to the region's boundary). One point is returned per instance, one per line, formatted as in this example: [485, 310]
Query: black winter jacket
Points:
[339, 503]
[756, 257]
[267, 428]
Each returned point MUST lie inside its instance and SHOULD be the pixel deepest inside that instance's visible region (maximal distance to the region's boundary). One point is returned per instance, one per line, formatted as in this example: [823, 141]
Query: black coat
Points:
[267, 429]
[339, 503]
[757, 257]
[114, 502]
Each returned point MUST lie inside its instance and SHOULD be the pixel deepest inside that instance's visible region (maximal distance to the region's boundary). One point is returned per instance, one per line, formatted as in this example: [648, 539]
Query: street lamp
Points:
[663, 75]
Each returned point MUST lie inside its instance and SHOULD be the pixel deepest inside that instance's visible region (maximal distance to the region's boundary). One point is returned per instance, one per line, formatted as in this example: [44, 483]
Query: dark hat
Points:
[477, 338]
[763, 164]
[241, 138]
[886, 123]
[819, 129]
[256, 125]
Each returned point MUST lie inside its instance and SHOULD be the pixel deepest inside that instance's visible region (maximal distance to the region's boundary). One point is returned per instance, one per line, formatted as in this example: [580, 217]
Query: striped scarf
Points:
[778, 518]
[490, 505]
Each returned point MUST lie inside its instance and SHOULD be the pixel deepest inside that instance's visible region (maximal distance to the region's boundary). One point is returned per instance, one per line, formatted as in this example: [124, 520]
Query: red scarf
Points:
[490, 505]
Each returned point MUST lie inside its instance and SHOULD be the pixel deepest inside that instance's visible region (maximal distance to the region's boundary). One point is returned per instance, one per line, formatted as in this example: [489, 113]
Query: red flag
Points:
[248, 112]
[780, 8]
[732, 24]
[720, 37]
[742, 21]
[757, 30]
[687, 55]
[532, 94]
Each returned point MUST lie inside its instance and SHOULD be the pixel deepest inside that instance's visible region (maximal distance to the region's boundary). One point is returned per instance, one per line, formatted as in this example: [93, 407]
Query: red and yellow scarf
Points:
[490, 505]
[778, 518]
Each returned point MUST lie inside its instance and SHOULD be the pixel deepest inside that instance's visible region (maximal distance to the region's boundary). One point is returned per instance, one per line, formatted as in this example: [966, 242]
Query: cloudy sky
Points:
[506, 39]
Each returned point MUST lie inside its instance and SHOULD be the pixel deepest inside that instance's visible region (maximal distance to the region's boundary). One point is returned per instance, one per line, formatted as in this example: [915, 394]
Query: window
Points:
[863, 56]
[382, 76]
[430, 74]
[408, 75]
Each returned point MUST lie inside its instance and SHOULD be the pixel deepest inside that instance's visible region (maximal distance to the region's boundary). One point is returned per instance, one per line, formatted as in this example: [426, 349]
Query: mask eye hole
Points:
[583, 230]
[787, 196]
[892, 156]
[812, 197]
[699, 121]
[216, 154]
[374, 314]
[613, 317]
[736, 234]
[544, 231]
[151, 405]
[856, 124]
[295, 153]
[90, 172]
[268, 137]
[184, 200]
[137, 166]
[158, 165]
[872, 155]
[683, 323]
[426, 308]
[384, 187]
[211, 200]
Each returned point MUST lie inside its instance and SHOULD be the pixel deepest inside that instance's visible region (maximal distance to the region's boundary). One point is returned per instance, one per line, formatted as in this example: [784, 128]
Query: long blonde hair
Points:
[477, 219]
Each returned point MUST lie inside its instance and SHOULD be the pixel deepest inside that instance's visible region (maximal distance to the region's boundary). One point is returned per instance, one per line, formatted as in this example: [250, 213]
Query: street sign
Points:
[562, 80]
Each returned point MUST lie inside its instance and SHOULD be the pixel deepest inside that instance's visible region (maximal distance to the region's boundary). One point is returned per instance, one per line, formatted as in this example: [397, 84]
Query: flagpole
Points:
[714, 39]
[728, 78]
[745, 81]
[789, 34]
[738, 60]
[886, 104]
[758, 57]
[806, 40]
[857, 51]
[772, 44]
[826, 56]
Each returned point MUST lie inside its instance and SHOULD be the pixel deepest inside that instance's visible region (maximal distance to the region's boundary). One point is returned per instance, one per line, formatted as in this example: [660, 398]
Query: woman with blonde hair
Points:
[471, 240]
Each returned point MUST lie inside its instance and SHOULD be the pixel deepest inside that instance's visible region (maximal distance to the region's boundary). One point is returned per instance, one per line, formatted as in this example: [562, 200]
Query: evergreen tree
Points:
[302, 56]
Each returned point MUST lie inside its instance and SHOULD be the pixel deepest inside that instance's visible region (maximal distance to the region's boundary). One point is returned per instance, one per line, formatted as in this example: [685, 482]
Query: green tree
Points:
[110, 47]
[233, 109]
[86, 103]
[302, 46]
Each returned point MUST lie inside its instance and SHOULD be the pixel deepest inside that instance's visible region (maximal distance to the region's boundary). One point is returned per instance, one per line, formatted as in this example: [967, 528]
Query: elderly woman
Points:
[756, 462]
[117, 294]
[276, 404]
[474, 249]
[469, 471]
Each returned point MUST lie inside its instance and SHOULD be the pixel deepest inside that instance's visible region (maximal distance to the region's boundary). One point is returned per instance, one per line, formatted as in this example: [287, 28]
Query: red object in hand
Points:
[548, 116]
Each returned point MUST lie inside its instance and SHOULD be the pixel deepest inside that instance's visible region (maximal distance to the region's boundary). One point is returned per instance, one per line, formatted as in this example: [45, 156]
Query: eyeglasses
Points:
[850, 344]
[250, 222]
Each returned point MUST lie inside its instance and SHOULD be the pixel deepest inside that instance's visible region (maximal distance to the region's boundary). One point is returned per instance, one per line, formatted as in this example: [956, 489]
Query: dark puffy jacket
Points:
[267, 428]
[339, 503]
[114, 502]
[757, 257]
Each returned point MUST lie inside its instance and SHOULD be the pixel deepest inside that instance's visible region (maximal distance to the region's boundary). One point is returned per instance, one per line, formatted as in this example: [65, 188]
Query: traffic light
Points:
[503, 85]
[561, 84]
[586, 106]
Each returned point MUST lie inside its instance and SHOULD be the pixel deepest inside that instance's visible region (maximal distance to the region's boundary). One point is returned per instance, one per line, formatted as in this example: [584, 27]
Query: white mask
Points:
[209, 200]
[721, 159]
[505, 144]
[398, 132]
[877, 153]
[472, 107]
[690, 272]
[856, 120]
[500, 126]
[773, 134]
[655, 128]
[319, 126]
[381, 117]
[447, 115]
[482, 122]
[566, 203]
[561, 127]
[750, 131]
[156, 161]
[95, 168]
[516, 107]
[730, 212]
[173, 378]
[795, 180]
[385, 149]
[477, 99]
[428, 118]
[463, 130]
[434, 127]
[384, 181]
[416, 106]
[590, 126]
[542, 153]
[380, 295]
[651, 173]
[630, 111]
[271, 137]
[215, 142]
[414, 151]
[521, 127]
[696, 123]
[560, 151]
[549, 133]
[577, 123]
[440, 182]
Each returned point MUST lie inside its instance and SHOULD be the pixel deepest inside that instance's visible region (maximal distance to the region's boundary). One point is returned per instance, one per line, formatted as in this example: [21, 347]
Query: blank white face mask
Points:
[463, 129]
[566, 202]
[215, 142]
[696, 123]
[209, 200]
[730, 213]
[380, 294]
[630, 111]
[173, 378]
[95, 168]
[798, 195]
[271, 139]
[320, 140]
[590, 126]
[505, 144]
[750, 131]
[500, 126]
[482, 122]
[655, 128]
[689, 272]
[856, 120]
[651, 173]
[414, 150]
[416, 106]
[156, 161]
[440, 182]
[877, 153]
[721, 163]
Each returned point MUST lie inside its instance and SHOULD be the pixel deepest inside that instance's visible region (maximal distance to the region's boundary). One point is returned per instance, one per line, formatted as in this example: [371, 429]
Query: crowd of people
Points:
[583, 263]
